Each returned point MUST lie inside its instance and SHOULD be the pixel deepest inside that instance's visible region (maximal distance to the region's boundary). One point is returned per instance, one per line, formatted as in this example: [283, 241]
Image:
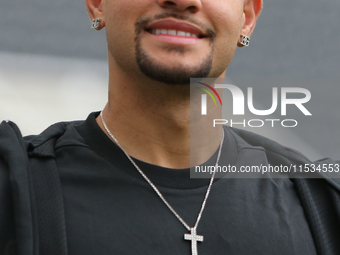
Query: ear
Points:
[252, 9]
[95, 8]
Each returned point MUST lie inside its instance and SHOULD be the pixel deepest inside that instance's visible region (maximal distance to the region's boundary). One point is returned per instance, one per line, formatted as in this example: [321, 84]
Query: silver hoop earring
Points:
[95, 23]
[245, 40]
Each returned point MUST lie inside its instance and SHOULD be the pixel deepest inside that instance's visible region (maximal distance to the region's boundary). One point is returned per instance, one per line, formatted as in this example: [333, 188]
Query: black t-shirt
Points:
[110, 209]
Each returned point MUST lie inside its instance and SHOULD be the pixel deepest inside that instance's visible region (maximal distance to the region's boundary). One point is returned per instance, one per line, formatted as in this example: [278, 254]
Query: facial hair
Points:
[179, 75]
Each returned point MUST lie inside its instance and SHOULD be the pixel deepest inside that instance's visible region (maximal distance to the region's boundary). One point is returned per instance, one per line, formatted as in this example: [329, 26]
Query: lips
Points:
[175, 28]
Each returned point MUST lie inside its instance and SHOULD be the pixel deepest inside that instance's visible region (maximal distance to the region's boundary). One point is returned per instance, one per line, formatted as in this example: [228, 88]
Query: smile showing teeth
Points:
[172, 32]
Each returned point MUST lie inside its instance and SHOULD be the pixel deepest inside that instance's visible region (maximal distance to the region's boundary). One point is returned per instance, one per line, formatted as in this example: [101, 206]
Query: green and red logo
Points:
[204, 97]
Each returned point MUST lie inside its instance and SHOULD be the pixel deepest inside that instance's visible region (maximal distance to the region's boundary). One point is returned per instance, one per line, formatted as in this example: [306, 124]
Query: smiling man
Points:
[155, 47]
[119, 182]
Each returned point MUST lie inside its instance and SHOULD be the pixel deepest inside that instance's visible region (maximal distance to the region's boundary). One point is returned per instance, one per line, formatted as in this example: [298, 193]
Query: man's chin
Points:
[171, 73]
[173, 76]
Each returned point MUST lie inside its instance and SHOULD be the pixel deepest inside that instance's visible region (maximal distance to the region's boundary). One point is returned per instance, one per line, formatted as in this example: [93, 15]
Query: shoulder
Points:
[55, 136]
[272, 148]
[324, 169]
[15, 148]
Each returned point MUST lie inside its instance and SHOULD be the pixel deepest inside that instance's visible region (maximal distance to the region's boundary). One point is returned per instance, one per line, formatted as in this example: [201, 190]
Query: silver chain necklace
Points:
[193, 237]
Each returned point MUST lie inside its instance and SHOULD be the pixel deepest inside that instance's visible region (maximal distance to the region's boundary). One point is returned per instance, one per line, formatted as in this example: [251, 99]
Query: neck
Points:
[152, 123]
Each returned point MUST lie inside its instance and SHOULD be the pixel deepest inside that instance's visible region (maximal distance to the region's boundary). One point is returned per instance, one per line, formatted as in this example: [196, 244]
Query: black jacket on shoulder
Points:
[32, 220]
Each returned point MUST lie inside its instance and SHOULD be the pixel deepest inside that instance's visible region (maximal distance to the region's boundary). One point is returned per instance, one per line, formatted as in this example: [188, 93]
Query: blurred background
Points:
[53, 67]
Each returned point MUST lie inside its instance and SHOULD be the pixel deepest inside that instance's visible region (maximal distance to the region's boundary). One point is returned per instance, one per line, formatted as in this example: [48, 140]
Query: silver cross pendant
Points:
[194, 238]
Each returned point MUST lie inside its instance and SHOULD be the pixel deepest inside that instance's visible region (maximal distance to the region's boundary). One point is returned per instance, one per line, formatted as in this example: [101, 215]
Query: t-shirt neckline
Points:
[102, 145]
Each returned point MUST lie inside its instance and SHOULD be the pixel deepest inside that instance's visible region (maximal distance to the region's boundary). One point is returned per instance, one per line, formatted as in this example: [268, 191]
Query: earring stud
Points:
[95, 23]
[245, 40]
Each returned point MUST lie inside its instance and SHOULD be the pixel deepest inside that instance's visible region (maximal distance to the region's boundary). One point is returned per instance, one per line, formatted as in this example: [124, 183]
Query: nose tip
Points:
[181, 5]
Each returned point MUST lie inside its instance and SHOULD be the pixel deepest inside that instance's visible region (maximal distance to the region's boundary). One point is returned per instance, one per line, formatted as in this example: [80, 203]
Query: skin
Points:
[151, 119]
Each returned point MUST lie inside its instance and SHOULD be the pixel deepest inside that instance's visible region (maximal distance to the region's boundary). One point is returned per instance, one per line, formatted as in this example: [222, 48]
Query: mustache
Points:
[143, 22]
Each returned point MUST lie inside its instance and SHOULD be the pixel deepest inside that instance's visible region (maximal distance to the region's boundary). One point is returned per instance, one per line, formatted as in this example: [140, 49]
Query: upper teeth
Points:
[172, 32]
